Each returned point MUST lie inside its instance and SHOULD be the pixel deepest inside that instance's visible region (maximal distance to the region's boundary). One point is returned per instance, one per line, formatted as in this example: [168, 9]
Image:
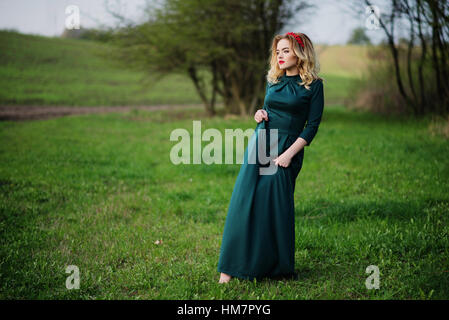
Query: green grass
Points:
[37, 70]
[97, 191]
[342, 67]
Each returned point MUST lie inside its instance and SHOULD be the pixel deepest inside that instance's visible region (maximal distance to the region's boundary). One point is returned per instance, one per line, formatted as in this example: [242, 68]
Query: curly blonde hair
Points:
[308, 64]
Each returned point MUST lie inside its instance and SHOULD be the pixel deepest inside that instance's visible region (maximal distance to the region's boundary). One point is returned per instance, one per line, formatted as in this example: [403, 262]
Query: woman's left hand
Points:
[283, 160]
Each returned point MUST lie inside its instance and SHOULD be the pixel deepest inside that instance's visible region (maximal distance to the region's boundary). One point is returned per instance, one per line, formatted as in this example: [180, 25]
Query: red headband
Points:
[298, 38]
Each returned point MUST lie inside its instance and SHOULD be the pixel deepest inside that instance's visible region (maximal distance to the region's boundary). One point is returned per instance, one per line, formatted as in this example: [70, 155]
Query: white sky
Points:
[331, 22]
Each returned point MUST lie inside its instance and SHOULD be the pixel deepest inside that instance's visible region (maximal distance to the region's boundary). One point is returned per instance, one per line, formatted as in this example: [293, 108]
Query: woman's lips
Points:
[281, 62]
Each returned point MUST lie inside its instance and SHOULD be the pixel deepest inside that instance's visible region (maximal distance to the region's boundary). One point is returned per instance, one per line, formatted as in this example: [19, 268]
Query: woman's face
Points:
[285, 55]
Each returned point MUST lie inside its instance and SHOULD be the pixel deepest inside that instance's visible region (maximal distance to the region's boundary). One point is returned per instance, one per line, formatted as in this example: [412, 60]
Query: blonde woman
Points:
[259, 234]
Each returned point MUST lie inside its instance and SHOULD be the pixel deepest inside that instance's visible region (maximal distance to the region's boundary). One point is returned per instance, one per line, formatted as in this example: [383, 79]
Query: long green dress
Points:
[259, 233]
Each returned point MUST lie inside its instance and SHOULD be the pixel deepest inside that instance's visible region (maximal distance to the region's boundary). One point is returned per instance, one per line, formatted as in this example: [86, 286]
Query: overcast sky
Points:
[331, 22]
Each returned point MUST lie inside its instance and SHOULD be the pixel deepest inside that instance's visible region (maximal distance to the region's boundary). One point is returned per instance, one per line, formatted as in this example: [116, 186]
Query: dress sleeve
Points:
[315, 113]
[265, 99]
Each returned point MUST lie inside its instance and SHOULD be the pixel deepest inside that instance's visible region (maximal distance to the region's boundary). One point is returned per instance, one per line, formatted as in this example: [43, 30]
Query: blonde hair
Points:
[308, 64]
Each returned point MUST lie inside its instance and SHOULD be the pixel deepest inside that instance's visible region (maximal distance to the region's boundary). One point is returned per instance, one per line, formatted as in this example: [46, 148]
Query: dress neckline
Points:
[294, 76]
[290, 78]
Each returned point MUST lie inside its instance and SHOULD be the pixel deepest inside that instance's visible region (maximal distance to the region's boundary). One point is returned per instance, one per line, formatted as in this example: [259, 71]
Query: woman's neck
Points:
[291, 73]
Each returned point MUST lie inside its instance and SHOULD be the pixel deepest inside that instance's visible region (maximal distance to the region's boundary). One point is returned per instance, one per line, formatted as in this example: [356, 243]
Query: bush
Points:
[378, 90]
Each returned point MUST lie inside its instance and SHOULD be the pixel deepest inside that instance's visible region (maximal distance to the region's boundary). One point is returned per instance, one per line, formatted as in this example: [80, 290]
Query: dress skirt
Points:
[259, 233]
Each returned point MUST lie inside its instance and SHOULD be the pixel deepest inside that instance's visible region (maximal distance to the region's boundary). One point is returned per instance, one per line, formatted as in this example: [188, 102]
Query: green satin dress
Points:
[259, 233]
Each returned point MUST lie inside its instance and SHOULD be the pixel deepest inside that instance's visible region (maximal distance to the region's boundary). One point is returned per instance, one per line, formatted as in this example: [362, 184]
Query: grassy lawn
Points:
[97, 191]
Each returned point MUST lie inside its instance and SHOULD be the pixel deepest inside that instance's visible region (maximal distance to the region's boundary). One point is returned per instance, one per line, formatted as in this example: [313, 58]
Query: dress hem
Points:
[237, 274]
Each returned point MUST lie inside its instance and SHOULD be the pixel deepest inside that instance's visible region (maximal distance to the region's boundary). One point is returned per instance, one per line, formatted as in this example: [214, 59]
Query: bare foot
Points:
[224, 278]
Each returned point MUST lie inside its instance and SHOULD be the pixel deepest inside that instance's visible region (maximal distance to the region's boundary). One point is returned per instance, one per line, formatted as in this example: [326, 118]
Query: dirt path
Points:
[18, 113]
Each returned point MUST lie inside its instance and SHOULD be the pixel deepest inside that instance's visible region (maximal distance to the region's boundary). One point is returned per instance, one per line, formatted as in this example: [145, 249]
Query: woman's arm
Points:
[295, 147]
[286, 157]
[315, 113]
[313, 122]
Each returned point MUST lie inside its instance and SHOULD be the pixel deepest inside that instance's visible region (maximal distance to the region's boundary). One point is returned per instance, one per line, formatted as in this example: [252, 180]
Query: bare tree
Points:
[222, 46]
[427, 32]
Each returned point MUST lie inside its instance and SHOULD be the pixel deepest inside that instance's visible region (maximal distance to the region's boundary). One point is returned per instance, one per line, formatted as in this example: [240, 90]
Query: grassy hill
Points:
[36, 70]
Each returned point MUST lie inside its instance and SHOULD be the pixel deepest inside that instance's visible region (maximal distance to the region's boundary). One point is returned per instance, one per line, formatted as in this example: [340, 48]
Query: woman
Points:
[259, 233]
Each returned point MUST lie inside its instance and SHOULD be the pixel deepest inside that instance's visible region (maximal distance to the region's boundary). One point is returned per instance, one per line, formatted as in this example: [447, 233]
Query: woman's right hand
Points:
[260, 115]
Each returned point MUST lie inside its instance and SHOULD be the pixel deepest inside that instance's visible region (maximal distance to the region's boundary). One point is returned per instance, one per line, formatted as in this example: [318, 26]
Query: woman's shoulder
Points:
[317, 84]
[317, 81]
